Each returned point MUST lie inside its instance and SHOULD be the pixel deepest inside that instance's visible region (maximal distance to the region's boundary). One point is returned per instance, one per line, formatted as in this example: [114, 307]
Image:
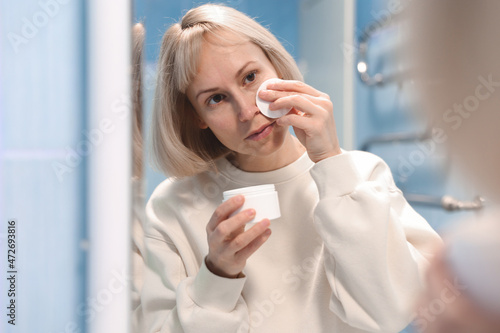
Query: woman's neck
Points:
[288, 153]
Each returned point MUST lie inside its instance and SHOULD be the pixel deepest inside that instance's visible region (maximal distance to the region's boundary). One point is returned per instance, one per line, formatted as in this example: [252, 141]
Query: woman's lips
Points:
[262, 134]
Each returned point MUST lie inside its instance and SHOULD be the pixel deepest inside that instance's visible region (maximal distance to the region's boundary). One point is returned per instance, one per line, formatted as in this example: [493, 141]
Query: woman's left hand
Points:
[311, 116]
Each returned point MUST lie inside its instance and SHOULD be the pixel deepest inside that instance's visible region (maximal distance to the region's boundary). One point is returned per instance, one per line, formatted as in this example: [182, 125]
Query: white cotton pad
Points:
[264, 105]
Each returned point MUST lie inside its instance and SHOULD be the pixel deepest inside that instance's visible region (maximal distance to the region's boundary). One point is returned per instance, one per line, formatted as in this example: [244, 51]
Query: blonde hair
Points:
[180, 148]
[138, 33]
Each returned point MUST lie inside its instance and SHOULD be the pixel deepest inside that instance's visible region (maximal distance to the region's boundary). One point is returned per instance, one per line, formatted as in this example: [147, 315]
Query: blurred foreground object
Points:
[455, 56]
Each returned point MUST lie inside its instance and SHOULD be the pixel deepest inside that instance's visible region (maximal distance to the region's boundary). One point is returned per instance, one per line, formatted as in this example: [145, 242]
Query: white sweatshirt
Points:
[346, 255]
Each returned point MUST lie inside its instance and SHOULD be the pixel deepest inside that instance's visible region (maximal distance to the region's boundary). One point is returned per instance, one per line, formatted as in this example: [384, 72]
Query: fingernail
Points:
[266, 222]
[251, 212]
[239, 198]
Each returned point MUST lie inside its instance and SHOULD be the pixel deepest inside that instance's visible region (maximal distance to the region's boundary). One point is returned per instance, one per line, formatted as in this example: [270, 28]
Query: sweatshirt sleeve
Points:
[174, 302]
[376, 245]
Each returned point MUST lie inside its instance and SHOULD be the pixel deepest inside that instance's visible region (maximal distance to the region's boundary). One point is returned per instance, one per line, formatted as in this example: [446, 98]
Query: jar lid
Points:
[251, 190]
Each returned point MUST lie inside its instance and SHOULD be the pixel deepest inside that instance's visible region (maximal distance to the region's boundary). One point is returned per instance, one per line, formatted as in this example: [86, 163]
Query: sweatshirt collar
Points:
[286, 173]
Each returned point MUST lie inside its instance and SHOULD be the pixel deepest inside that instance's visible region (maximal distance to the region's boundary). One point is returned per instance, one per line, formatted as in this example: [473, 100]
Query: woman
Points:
[348, 251]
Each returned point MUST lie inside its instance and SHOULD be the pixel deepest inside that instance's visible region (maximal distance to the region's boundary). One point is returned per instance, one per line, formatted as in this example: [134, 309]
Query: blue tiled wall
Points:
[280, 16]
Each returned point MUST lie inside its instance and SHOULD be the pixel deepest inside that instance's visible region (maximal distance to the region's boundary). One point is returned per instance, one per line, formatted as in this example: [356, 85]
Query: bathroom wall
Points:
[43, 163]
[325, 29]
[65, 162]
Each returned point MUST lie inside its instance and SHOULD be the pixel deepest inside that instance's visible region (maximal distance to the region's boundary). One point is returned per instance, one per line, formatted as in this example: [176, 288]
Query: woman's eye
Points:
[215, 99]
[250, 78]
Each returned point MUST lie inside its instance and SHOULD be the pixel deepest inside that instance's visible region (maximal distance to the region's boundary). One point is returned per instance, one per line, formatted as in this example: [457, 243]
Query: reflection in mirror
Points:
[138, 34]
[347, 249]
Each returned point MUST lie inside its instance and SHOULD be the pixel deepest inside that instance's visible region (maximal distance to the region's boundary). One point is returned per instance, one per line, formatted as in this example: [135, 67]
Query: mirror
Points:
[322, 36]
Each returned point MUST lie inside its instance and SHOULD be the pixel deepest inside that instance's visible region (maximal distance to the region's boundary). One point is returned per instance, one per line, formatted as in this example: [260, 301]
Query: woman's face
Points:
[223, 95]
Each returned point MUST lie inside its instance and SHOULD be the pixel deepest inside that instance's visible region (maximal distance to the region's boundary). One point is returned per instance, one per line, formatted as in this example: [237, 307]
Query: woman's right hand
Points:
[229, 244]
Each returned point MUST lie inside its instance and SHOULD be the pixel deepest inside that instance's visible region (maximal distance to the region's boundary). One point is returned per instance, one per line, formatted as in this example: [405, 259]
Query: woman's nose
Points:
[247, 106]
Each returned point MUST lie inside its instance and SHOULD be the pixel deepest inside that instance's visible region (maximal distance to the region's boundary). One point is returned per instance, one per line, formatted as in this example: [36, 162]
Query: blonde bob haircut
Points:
[180, 148]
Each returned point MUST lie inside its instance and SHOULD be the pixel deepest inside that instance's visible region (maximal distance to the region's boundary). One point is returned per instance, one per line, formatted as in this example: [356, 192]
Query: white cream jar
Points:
[262, 198]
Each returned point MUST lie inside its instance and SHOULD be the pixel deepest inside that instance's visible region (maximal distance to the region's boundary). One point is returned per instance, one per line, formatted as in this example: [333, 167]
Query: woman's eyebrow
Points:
[206, 91]
[238, 74]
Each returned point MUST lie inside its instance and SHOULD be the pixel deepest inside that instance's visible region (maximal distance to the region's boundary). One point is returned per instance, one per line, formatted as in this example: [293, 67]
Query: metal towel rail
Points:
[447, 202]
[362, 66]
[395, 137]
